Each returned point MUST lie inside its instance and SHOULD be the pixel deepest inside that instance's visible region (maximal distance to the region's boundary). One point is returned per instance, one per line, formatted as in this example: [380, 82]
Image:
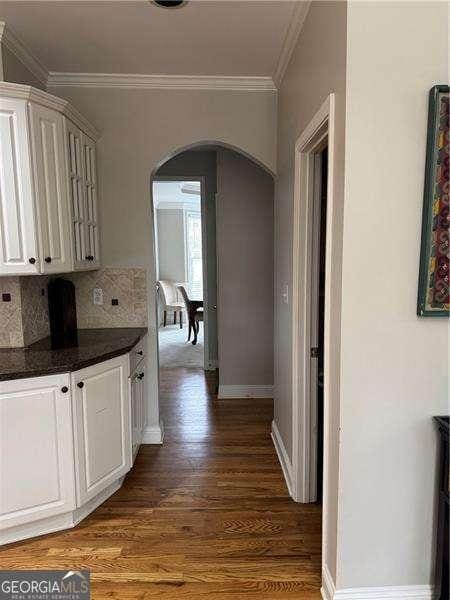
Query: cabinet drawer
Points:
[138, 354]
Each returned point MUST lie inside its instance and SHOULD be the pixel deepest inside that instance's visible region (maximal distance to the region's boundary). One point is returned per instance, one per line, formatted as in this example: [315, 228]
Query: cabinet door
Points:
[90, 188]
[36, 450]
[51, 189]
[102, 426]
[75, 171]
[18, 240]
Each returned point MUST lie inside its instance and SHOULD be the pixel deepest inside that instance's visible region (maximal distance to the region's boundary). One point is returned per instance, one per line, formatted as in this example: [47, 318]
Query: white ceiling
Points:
[225, 37]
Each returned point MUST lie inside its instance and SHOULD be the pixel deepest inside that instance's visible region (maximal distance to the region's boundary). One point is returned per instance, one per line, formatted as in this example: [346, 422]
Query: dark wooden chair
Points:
[194, 309]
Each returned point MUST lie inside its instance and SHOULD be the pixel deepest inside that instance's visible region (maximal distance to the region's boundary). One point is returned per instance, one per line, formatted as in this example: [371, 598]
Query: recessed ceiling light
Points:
[169, 3]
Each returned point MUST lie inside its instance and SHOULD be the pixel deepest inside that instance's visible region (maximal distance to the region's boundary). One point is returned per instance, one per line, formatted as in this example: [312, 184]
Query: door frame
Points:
[201, 180]
[319, 132]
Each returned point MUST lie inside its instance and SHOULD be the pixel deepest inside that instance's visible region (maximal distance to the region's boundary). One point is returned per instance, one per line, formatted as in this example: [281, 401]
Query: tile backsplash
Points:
[24, 319]
[35, 321]
[127, 286]
[11, 330]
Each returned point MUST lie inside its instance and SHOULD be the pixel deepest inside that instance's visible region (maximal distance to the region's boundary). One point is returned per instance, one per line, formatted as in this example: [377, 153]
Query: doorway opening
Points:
[180, 268]
[236, 216]
[318, 322]
[312, 349]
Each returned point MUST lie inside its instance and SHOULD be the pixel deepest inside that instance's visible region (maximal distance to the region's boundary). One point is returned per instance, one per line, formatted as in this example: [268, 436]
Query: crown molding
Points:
[15, 45]
[160, 82]
[32, 94]
[290, 40]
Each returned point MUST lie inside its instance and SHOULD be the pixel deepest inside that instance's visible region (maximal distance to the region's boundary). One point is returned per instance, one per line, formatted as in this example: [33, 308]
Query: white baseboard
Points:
[35, 528]
[153, 434]
[327, 590]
[402, 592]
[283, 457]
[81, 513]
[245, 391]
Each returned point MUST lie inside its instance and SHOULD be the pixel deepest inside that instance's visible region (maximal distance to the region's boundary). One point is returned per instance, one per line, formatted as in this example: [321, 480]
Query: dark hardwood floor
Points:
[206, 515]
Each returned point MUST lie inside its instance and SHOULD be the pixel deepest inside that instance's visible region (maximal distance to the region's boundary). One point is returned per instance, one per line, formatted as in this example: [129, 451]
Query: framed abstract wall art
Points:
[434, 296]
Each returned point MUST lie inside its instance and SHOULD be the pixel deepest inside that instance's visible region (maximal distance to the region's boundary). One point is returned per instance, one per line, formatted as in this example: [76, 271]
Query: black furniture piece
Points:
[194, 309]
[442, 541]
[62, 313]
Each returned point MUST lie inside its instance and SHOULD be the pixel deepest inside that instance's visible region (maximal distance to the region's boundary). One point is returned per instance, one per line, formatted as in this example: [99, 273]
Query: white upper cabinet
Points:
[48, 185]
[18, 237]
[51, 189]
[90, 188]
[81, 166]
[74, 147]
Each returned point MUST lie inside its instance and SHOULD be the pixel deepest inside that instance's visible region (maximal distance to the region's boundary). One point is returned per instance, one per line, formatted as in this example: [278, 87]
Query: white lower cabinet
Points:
[138, 406]
[36, 450]
[66, 444]
[102, 426]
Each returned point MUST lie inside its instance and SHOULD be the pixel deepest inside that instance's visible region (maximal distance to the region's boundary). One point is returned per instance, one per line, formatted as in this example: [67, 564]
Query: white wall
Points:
[171, 245]
[140, 129]
[394, 364]
[245, 271]
[316, 69]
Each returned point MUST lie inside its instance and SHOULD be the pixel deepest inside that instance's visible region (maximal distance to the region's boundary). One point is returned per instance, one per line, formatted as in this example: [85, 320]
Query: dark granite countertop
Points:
[94, 346]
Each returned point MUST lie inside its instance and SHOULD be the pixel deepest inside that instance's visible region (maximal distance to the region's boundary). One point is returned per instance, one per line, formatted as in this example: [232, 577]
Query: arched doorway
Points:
[187, 164]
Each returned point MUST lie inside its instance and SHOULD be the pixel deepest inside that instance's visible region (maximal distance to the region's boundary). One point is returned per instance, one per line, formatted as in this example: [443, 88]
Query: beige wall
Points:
[394, 364]
[142, 128]
[15, 71]
[245, 271]
[171, 245]
[317, 68]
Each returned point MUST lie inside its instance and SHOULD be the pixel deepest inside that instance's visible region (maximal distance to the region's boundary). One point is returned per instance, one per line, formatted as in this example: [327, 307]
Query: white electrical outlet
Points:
[98, 296]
